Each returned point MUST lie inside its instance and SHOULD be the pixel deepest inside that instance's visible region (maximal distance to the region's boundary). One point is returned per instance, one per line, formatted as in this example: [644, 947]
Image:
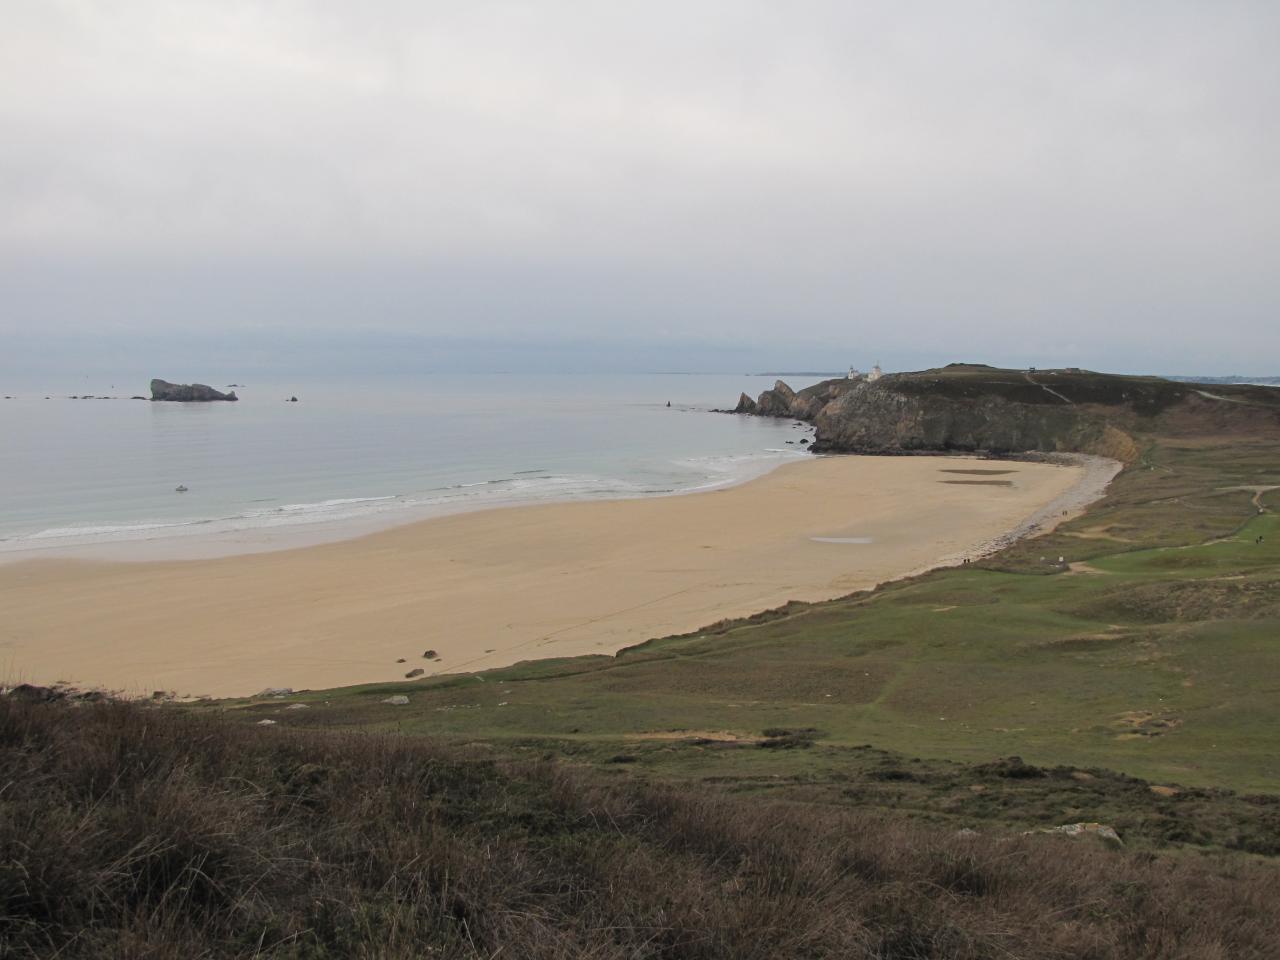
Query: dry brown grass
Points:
[131, 831]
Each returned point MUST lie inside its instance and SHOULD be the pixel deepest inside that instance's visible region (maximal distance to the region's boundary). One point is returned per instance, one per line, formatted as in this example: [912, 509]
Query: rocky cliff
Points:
[972, 407]
[187, 392]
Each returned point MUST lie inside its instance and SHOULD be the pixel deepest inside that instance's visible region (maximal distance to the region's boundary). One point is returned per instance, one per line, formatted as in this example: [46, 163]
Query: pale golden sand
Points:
[492, 588]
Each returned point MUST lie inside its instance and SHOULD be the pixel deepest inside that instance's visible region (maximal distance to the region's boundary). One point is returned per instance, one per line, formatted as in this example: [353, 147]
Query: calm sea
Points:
[84, 472]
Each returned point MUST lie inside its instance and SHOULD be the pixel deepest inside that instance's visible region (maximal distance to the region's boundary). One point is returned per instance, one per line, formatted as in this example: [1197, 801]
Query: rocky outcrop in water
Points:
[187, 392]
[972, 407]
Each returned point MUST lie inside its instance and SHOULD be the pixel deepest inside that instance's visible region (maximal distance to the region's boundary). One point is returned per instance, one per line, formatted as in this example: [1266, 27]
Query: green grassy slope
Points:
[1157, 655]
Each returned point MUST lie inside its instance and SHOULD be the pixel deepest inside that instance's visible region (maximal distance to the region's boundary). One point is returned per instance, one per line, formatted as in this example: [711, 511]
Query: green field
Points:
[1156, 655]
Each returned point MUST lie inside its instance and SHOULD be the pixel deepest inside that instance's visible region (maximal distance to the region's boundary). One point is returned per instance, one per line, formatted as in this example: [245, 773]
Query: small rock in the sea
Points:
[431, 655]
[296, 706]
[276, 692]
[415, 672]
[266, 723]
[399, 700]
[187, 392]
[293, 400]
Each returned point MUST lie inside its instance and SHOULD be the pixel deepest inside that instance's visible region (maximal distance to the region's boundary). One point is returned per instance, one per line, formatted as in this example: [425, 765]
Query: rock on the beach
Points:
[296, 706]
[187, 392]
[266, 723]
[399, 700]
[415, 672]
[276, 692]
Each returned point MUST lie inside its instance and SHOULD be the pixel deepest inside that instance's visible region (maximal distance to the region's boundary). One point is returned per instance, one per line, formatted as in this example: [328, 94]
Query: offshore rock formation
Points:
[187, 392]
[973, 407]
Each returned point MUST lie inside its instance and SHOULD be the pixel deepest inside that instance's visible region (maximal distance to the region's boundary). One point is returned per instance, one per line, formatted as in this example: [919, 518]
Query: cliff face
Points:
[187, 392]
[878, 419]
[967, 407]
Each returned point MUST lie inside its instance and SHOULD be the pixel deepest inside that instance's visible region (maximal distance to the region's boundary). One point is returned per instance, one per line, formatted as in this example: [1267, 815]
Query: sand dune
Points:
[496, 587]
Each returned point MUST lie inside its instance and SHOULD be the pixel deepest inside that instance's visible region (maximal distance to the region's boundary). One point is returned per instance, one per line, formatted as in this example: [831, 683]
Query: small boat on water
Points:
[180, 488]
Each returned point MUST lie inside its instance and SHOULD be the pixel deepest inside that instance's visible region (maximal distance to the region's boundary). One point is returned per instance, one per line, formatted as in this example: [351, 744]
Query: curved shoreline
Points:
[191, 540]
[1091, 487]
[492, 588]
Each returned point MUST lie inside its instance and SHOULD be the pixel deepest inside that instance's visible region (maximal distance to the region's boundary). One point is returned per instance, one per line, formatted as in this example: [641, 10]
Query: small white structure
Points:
[854, 374]
[876, 373]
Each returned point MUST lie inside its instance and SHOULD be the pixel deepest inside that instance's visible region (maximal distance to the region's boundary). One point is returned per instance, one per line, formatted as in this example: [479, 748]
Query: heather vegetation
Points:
[144, 831]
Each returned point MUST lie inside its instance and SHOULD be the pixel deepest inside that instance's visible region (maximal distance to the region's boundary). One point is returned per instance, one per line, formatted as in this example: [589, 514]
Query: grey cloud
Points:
[1094, 179]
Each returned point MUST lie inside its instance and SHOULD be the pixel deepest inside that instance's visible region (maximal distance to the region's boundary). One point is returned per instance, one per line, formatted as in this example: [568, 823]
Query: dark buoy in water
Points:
[292, 400]
[180, 488]
[668, 403]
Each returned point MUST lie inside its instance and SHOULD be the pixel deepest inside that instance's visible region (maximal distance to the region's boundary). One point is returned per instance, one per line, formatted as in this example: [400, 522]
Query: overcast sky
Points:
[1091, 183]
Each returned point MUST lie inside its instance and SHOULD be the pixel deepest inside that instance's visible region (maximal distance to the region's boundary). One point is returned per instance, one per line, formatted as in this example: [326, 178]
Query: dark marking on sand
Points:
[982, 473]
[981, 483]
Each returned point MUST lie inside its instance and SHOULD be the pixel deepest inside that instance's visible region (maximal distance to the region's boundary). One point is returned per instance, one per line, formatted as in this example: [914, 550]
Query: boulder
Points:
[276, 692]
[1101, 831]
[745, 405]
[415, 672]
[30, 693]
[187, 392]
[399, 700]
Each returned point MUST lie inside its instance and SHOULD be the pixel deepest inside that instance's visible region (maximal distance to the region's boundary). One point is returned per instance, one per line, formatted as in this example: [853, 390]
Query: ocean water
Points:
[76, 473]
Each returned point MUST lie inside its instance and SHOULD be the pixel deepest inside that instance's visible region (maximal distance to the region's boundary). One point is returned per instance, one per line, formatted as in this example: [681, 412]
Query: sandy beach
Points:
[496, 587]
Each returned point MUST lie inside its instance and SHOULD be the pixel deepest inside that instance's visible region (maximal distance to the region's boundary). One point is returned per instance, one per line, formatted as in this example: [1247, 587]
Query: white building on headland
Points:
[875, 374]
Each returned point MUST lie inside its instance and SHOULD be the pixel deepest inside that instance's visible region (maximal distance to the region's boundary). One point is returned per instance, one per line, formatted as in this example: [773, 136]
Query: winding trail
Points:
[1034, 382]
